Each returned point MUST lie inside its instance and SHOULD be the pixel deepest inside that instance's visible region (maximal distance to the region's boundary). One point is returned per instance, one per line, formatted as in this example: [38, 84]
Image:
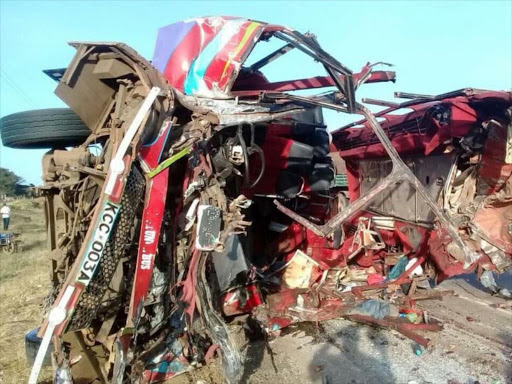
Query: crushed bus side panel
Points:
[206, 193]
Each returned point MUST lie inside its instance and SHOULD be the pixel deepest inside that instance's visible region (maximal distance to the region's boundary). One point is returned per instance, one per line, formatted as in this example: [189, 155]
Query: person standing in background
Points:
[6, 216]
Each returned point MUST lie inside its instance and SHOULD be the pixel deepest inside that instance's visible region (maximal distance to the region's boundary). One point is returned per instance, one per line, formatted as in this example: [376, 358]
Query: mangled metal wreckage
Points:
[203, 192]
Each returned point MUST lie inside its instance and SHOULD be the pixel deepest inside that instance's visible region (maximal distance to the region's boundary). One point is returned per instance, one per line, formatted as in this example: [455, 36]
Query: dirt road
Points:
[24, 282]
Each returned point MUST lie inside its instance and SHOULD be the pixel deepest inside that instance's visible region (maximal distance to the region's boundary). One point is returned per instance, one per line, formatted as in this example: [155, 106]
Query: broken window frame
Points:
[400, 173]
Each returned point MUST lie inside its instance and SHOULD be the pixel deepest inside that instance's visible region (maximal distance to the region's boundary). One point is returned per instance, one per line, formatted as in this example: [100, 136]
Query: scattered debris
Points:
[377, 309]
[204, 192]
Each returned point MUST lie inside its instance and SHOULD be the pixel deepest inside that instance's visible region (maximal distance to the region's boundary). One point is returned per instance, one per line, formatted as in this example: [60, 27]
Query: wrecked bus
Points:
[189, 190]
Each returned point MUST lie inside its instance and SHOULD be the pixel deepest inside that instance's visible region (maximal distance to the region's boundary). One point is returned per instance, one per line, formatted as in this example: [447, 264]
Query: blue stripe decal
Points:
[200, 64]
[165, 141]
[156, 139]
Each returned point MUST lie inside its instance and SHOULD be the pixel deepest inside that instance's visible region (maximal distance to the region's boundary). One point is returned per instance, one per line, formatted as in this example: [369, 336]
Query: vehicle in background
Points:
[9, 242]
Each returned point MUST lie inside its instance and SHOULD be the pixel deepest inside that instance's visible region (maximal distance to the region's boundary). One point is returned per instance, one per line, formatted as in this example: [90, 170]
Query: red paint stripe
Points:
[214, 71]
[151, 221]
[249, 44]
[148, 154]
[187, 50]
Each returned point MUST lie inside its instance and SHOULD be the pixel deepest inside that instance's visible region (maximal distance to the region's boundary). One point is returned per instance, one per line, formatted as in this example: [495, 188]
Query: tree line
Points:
[11, 184]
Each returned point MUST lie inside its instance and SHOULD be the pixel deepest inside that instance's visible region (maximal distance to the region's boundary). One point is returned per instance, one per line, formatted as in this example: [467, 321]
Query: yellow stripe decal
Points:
[248, 33]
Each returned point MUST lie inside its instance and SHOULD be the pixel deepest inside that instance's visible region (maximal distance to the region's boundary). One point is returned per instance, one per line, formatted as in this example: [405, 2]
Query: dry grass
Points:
[24, 282]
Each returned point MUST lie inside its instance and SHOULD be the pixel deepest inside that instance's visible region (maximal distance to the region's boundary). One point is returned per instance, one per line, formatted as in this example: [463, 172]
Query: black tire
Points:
[32, 343]
[43, 128]
[9, 248]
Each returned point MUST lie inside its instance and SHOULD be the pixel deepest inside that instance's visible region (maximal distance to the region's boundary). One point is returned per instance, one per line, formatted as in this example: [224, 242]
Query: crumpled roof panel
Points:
[202, 56]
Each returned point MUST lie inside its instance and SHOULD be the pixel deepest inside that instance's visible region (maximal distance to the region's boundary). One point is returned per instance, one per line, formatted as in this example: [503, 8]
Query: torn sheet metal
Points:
[235, 214]
[168, 363]
[203, 56]
[154, 206]
[230, 263]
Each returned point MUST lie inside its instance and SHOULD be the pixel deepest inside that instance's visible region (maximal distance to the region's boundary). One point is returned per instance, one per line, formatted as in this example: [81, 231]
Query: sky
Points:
[435, 46]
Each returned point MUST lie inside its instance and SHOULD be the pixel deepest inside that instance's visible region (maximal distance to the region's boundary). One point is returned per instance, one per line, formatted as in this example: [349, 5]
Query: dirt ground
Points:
[475, 345]
[24, 282]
